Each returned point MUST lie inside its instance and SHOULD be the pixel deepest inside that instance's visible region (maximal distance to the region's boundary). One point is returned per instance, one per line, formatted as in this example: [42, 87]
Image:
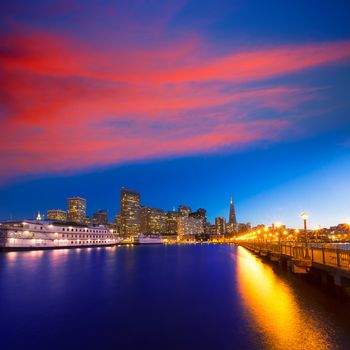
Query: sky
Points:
[187, 102]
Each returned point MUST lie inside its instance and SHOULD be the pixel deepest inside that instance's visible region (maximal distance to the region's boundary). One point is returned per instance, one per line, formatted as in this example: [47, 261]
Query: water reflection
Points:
[275, 312]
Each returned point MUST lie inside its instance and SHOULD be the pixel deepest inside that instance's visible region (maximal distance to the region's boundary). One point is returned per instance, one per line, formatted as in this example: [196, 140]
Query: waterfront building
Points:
[87, 221]
[184, 210]
[117, 223]
[130, 212]
[244, 227]
[188, 226]
[76, 210]
[57, 215]
[100, 218]
[172, 223]
[153, 221]
[220, 224]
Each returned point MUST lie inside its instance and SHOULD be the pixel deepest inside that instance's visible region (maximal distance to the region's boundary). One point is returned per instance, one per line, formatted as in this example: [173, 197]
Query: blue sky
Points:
[187, 102]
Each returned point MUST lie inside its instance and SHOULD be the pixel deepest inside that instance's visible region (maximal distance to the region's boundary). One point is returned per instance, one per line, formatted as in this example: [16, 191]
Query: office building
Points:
[184, 210]
[188, 226]
[220, 224]
[57, 215]
[153, 221]
[100, 218]
[76, 209]
[172, 223]
[130, 212]
[232, 217]
[200, 214]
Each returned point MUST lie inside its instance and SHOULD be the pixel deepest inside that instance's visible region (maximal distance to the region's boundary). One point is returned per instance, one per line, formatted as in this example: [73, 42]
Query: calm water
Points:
[162, 297]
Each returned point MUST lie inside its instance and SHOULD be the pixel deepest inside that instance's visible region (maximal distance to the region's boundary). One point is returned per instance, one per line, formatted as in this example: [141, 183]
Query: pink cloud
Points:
[69, 107]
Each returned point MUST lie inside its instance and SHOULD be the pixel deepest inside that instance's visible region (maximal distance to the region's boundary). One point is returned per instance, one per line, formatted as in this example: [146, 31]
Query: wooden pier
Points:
[327, 260]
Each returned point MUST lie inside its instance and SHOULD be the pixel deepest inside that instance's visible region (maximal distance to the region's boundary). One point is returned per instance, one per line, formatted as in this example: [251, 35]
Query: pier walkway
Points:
[324, 258]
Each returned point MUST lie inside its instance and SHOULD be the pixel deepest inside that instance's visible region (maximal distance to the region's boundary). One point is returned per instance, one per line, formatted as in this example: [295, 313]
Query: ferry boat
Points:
[148, 240]
[39, 234]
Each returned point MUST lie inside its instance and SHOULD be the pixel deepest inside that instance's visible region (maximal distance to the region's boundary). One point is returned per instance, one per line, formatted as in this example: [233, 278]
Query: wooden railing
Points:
[320, 253]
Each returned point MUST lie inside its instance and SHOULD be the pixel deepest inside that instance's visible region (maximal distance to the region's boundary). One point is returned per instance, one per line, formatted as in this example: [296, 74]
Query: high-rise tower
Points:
[232, 218]
[130, 212]
[76, 209]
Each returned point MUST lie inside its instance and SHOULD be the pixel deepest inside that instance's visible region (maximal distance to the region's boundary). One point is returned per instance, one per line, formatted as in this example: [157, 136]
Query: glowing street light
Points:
[304, 216]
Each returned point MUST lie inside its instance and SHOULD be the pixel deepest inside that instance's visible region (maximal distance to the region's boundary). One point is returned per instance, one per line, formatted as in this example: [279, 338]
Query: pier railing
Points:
[324, 254]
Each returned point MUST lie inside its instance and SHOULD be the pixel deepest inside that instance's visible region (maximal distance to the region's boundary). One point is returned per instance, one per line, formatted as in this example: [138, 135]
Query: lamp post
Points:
[304, 217]
[296, 238]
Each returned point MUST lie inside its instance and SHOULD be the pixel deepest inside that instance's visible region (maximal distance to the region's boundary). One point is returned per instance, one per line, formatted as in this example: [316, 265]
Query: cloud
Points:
[67, 106]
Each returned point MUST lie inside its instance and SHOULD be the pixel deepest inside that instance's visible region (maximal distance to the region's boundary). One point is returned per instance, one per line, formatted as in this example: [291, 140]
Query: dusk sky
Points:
[185, 101]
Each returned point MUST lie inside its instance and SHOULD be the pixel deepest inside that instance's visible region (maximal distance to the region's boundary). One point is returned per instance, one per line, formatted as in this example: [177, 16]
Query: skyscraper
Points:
[100, 218]
[153, 221]
[172, 223]
[76, 209]
[57, 215]
[184, 210]
[188, 226]
[220, 224]
[130, 212]
[232, 218]
[200, 214]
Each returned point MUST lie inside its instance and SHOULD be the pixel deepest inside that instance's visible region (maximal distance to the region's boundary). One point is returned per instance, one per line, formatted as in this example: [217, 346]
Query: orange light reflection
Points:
[273, 308]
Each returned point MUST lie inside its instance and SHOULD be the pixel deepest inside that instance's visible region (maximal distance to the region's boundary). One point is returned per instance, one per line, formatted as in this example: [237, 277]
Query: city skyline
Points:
[77, 211]
[191, 100]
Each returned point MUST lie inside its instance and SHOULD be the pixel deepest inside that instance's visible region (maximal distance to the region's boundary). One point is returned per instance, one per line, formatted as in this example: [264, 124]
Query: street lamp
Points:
[296, 231]
[304, 217]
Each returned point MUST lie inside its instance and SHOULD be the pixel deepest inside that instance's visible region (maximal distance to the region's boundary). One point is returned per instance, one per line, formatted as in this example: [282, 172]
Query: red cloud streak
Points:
[68, 107]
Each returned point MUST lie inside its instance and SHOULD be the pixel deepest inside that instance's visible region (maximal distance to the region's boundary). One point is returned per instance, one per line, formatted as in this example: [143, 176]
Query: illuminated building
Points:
[153, 221]
[231, 228]
[232, 217]
[172, 223]
[220, 224]
[184, 210]
[208, 229]
[76, 209]
[116, 224]
[212, 230]
[188, 226]
[232, 225]
[244, 227]
[100, 218]
[87, 221]
[57, 215]
[200, 214]
[130, 212]
[34, 234]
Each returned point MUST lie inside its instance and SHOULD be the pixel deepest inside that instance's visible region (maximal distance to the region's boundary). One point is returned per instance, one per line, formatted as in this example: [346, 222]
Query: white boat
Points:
[38, 234]
[148, 240]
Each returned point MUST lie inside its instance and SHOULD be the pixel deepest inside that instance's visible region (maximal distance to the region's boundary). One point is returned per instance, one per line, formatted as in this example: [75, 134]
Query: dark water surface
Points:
[162, 297]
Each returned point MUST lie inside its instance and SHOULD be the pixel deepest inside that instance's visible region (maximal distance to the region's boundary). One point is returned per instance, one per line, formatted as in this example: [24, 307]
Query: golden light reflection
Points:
[11, 256]
[274, 310]
[35, 253]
